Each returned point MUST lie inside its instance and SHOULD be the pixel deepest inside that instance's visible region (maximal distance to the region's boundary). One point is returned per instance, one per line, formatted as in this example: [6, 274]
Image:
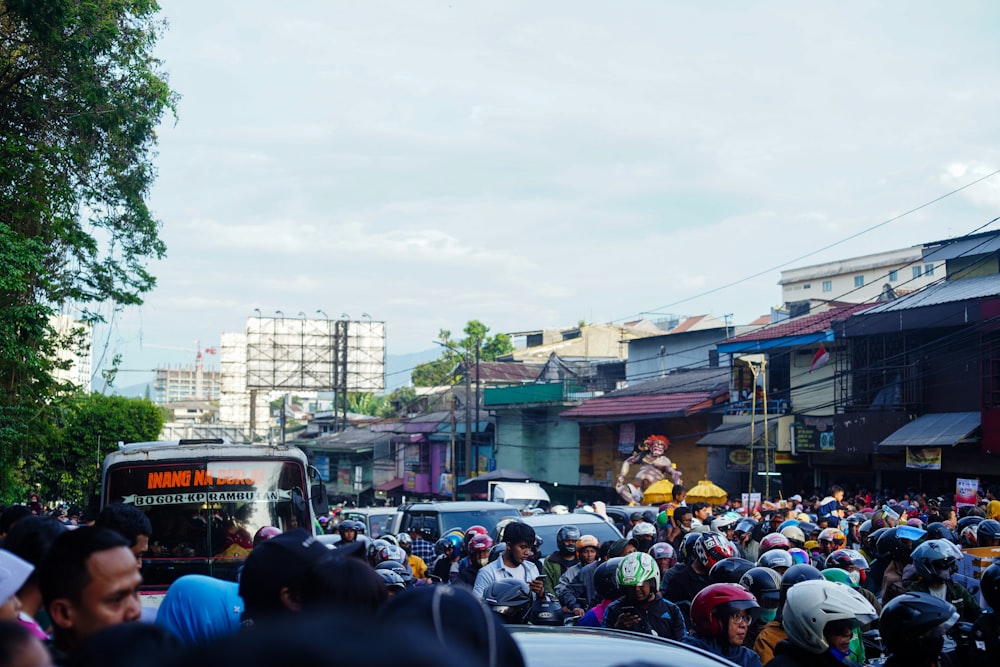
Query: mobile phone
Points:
[542, 577]
[629, 609]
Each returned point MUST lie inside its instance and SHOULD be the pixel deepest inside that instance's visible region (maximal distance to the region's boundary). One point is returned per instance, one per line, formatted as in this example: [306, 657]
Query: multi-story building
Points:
[186, 383]
[76, 339]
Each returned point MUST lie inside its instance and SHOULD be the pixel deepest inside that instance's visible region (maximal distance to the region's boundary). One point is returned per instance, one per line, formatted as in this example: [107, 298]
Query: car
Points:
[543, 646]
[378, 520]
[435, 518]
[547, 525]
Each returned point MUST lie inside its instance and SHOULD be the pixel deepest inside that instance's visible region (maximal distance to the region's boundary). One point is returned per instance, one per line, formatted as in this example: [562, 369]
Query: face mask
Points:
[768, 615]
[483, 561]
[855, 577]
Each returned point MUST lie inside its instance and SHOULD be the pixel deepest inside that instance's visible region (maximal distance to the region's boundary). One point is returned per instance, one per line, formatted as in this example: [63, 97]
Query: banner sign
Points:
[208, 497]
[966, 491]
[813, 435]
[923, 458]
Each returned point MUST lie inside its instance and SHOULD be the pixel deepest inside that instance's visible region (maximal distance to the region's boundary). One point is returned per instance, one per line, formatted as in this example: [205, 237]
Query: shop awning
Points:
[630, 408]
[738, 435]
[939, 429]
[391, 485]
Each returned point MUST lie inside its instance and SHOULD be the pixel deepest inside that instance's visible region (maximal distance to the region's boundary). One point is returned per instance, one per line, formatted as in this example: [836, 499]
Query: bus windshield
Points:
[204, 514]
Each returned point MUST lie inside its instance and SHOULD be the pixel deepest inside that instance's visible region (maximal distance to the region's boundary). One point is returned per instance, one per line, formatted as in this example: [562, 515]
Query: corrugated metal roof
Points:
[702, 379]
[967, 246]
[626, 408]
[948, 291]
[508, 372]
[807, 324]
[939, 429]
[738, 435]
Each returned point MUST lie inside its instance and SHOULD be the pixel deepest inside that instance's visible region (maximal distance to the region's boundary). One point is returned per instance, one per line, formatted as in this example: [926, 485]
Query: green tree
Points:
[441, 371]
[93, 426]
[80, 99]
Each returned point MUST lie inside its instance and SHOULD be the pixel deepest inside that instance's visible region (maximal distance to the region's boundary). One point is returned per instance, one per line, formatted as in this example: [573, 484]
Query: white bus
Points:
[206, 499]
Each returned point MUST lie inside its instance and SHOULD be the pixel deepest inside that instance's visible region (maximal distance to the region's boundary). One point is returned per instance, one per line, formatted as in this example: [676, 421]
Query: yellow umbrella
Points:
[658, 492]
[707, 492]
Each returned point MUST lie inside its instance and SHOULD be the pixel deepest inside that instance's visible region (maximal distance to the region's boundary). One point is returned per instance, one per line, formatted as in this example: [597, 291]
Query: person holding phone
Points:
[642, 608]
[513, 563]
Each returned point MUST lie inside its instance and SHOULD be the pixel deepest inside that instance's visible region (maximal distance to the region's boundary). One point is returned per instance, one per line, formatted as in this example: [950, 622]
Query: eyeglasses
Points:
[741, 619]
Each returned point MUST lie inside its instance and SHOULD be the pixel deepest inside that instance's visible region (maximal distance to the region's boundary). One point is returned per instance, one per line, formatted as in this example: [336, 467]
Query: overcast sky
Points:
[532, 164]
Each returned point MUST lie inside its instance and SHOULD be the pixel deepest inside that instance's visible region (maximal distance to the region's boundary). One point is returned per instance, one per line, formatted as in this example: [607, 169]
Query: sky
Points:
[534, 164]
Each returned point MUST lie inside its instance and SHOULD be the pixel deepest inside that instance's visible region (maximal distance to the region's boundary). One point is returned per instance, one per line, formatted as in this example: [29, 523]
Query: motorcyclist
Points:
[820, 618]
[570, 589]
[854, 565]
[446, 554]
[935, 562]
[986, 629]
[913, 626]
[721, 614]
[896, 544]
[765, 586]
[774, 633]
[414, 563]
[563, 558]
[606, 585]
[479, 555]
[707, 550]
[644, 535]
[642, 609]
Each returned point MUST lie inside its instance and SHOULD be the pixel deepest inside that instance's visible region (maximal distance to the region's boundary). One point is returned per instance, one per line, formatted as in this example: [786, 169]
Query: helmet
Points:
[510, 598]
[397, 568]
[915, 624]
[794, 534]
[344, 526]
[775, 558]
[729, 570]
[711, 548]
[845, 558]
[723, 523]
[939, 531]
[764, 584]
[559, 509]
[855, 519]
[969, 520]
[663, 520]
[884, 517]
[810, 605]
[799, 555]
[809, 529]
[786, 523]
[969, 538]
[871, 541]
[774, 541]
[606, 579]
[864, 529]
[644, 530]
[987, 531]
[360, 528]
[546, 612]
[479, 545]
[390, 538]
[365, 542]
[476, 529]
[663, 550]
[497, 549]
[390, 552]
[587, 541]
[797, 574]
[392, 579]
[839, 576]
[835, 536]
[891, 546]
[712, 606]
[989, 585]
[403, 539]
[447, 542]
[744, 526]
[373, 549]
[502, 524]
[265, 533]
[637, 568]
[567, 534]
[936, 560]
[686, 551]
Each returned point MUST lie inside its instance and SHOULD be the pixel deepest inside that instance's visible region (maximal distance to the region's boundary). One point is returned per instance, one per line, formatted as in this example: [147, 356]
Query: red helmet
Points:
[471, 532]
[711, 548]
[264, 534]
[712, 606]
[480, 544]
[774, 541]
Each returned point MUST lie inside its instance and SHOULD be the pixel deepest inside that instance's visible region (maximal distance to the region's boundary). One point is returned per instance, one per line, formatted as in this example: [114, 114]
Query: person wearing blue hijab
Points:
[199, 609]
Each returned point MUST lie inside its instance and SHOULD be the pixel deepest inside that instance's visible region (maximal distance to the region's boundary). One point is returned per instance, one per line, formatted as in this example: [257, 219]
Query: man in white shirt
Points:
[513, 563]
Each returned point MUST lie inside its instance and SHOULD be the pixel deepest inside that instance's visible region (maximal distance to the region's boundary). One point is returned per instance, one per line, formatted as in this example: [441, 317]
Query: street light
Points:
[278, 312]
[257, 310]
[319, 311]
[367, 315]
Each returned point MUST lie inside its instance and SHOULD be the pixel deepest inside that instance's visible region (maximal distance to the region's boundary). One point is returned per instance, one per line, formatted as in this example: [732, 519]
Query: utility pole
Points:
[468, 419]
[454, 461]
[478, 441]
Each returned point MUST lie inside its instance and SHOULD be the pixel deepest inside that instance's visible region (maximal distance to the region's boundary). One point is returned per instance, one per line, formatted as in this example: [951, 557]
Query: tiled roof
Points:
[625, 408]
[807, 324]
[698, 323]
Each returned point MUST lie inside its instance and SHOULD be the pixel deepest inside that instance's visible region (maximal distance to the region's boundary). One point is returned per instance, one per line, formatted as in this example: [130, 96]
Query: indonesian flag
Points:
[819, 359]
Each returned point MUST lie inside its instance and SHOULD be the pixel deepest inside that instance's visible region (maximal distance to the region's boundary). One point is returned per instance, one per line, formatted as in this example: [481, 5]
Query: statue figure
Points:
[654, 466]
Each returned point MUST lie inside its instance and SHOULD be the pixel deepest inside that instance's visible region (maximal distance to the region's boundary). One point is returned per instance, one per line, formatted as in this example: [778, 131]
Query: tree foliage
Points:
[442, 371]
[80, 100]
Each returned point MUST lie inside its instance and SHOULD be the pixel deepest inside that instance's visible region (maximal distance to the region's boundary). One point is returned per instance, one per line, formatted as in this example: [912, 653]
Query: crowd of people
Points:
[788, 584]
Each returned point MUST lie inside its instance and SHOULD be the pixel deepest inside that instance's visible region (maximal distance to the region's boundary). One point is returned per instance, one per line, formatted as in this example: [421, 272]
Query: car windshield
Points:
[487, 518]
[602, 530]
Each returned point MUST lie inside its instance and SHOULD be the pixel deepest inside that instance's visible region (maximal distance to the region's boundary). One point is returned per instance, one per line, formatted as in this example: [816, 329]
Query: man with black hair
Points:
[130, 522]
[89, 582]
[829, 508]
[702, 513]
[513, 563]
[273, 575]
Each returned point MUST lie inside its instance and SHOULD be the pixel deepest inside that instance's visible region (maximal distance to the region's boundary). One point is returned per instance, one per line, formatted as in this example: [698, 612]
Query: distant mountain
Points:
[133, 390]
[398, 367]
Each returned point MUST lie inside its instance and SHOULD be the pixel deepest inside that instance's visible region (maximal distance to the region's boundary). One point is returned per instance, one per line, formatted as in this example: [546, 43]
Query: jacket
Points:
[787, 654]
[554, 567]
[658, 617]
[956, 594]
[768, 639]
[570, 589]
[739, 655]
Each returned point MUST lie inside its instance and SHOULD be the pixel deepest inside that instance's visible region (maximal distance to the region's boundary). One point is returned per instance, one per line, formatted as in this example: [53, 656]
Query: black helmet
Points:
[969, 520]
[360, 527]
[745, 526]
[871, 542]
[914, 624]
[564, 537]
[606, 579]
[795, 574]
[373, 549]
[764, 584]
[988, 531]
[809, 529]
[686, 552]
[546, 612]
[392, 580]
[939, 531]
[398, 568]
[936, 560]
[497, 549]
[510, 598]
[728, 570]
[344, 526]
[989, 585]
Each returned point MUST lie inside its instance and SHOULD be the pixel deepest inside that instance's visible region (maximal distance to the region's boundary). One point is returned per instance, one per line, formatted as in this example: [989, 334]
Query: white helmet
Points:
[722, 523]
[559, 509]
[644, 529]
[810, 605]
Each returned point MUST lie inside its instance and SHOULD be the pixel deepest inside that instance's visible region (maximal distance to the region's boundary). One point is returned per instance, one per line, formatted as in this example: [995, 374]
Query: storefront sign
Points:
[813, 436]
[738, 460]
[923, 458]
[966, 492]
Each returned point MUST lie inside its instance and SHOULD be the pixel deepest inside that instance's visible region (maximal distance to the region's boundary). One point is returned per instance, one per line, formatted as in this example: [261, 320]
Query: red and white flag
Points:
[819, 359]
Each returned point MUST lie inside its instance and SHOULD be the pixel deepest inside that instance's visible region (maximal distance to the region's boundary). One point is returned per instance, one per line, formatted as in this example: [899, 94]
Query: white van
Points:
[522, 495]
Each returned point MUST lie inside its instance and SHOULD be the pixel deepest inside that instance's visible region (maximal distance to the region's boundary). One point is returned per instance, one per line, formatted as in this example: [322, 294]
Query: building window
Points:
[928, 269]
[917, 271]
[859, 281]
[827, 285]
[807, 286]
[893, 276]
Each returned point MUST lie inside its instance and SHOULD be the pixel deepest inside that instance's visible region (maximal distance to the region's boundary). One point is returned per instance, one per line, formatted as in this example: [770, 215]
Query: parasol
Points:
[707, 492]
[658, 492]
